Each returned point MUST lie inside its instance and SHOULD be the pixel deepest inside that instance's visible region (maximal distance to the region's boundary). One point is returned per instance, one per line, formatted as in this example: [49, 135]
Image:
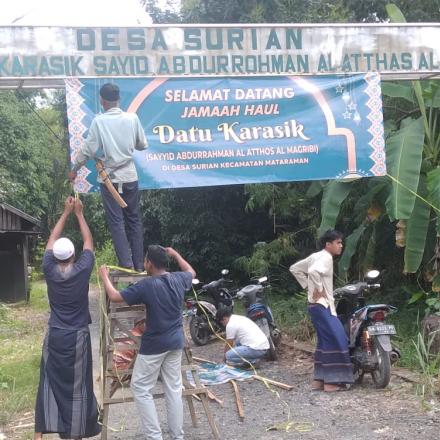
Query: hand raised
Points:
[78, 207]
[104, 272]
[69, 204]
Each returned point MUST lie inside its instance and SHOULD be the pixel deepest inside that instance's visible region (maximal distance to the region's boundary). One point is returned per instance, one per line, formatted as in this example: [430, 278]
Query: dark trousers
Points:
[125, 225]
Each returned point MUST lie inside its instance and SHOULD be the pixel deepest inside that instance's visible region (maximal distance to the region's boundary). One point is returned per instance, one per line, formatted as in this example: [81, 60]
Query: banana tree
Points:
[410, 194]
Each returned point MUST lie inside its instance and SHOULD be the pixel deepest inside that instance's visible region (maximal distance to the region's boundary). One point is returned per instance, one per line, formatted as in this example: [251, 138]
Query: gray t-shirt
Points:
[68, 292]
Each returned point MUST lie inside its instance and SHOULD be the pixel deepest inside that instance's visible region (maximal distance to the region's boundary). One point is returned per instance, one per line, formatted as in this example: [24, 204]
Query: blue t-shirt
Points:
[68, 292]
[163, 297]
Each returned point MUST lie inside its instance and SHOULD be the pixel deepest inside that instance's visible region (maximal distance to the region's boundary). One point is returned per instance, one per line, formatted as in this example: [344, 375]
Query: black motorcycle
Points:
[258, 311]
[202, 313]
[368, 333]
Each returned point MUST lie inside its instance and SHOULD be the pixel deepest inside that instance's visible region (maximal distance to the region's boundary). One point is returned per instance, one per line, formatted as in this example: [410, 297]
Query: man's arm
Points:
[112, 293]
[300, 272]
[83, 226]
[88, 150]
[183, 264]
[59, 227]
[141, 141]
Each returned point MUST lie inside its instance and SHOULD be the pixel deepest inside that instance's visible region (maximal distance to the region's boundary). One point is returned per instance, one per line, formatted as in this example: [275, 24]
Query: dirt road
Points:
[359, 414]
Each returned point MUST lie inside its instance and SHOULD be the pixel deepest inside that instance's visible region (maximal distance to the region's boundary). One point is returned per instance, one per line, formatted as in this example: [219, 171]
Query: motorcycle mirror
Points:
[225, 271]
[195, 281]
[262, 279]
[372, 274]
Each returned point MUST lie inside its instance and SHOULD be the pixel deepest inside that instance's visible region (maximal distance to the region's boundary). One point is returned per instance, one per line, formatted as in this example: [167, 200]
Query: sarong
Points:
[65, 401]
[332, 358]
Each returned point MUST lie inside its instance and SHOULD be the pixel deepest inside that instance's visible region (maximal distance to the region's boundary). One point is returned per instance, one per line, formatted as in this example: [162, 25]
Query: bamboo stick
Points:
[284, 386]
[238, 399]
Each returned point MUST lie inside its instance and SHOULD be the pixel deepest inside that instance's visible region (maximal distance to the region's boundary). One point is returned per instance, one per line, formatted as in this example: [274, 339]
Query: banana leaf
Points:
[335, 192]
[400, 90]
[434, 193]
[417, 229]
[351, 243]
[404, 158]
[315, 188]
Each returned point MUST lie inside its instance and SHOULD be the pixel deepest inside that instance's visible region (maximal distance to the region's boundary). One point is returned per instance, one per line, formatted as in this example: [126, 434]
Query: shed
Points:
[16, 229]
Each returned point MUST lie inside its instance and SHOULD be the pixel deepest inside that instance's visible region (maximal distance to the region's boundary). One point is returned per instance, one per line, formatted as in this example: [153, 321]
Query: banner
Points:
[226, 131]
[220, 50]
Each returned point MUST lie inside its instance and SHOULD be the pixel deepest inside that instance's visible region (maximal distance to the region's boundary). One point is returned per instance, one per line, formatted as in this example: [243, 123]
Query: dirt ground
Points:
[395, 413]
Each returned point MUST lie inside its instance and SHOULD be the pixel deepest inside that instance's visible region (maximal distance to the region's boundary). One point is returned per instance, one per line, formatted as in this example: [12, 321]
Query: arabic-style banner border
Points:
[226, 131]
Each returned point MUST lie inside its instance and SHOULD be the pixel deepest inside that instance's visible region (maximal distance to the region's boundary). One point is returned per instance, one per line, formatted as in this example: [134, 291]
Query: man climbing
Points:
[65, 401]
[163, 339]
[113, 138]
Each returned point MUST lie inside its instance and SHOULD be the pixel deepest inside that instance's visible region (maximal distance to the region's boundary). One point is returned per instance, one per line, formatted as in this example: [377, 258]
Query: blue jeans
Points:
[125, 225]
[235, 355]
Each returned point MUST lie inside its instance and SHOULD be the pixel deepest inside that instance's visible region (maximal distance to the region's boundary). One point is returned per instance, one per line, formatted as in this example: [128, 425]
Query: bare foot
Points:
[317, 385]
[331, 387]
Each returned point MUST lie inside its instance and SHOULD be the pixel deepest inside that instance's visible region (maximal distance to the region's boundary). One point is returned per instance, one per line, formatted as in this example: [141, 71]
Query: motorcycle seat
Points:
[252, 288]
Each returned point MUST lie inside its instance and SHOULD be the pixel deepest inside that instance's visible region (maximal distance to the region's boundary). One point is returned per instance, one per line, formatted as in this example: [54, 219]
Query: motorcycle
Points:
[369, 335]
[202, 313]
[258, 311]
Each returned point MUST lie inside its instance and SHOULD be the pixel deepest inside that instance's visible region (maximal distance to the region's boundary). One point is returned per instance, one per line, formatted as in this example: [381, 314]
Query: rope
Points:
[413, 193]
[289, 424]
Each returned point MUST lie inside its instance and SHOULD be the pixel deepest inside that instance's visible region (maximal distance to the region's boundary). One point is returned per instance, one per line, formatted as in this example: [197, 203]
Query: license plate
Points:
[382, 329]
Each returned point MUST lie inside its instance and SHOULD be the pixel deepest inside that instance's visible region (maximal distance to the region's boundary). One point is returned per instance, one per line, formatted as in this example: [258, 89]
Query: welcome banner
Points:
[222, 131]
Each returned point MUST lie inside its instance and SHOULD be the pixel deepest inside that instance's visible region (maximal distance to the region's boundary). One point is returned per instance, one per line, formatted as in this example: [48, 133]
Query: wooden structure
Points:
[16, 229]
[117, 322]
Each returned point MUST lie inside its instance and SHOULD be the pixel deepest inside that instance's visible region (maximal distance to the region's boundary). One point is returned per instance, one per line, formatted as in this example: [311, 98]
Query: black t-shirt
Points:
[163, 296]
[69, 291]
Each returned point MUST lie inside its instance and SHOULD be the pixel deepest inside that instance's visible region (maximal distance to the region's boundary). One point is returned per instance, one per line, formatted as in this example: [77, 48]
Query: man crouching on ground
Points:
[246, 343]
[163, 339]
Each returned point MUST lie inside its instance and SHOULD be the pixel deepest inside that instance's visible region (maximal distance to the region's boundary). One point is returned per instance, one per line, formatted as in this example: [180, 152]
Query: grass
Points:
[290, 313]
[22, 327]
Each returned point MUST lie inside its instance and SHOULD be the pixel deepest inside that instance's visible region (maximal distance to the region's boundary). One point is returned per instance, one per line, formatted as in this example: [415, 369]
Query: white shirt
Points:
[316, 273]
[245, 332]
[113, 137]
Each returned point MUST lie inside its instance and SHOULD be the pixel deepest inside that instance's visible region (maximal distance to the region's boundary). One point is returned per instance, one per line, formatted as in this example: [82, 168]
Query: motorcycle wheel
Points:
[198, 329]
[382, 375]
[273, 355]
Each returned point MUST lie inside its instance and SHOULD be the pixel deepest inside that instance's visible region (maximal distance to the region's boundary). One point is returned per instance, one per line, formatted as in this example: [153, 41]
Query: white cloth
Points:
[113, 137]
[245, 332]
[316, 273]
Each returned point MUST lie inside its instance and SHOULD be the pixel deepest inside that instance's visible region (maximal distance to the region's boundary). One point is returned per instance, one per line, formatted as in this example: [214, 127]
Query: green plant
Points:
[429, 365]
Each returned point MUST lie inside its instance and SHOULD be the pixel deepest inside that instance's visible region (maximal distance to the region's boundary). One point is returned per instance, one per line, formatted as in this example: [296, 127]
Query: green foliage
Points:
[404, 157]
[290, 313]
[334, 194]
[417, 229]
[209, 226]
[32, 164]
[429, 365]
[21, 332]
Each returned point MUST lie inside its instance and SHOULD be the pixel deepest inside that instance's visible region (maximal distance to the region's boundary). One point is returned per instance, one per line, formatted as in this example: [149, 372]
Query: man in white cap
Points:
[65, 401]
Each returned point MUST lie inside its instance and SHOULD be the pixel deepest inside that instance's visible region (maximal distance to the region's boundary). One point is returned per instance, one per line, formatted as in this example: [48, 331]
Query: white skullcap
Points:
[63, 249]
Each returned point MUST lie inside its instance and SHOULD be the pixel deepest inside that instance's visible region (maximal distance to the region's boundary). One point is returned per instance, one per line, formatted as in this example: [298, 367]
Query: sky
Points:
[73, 13]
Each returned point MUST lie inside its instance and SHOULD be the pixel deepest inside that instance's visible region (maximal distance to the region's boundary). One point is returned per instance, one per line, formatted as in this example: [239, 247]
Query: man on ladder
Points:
[112, 140]
[163, 340]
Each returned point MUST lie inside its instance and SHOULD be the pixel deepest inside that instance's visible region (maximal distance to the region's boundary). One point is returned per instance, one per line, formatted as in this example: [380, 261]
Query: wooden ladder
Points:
[117, 322]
